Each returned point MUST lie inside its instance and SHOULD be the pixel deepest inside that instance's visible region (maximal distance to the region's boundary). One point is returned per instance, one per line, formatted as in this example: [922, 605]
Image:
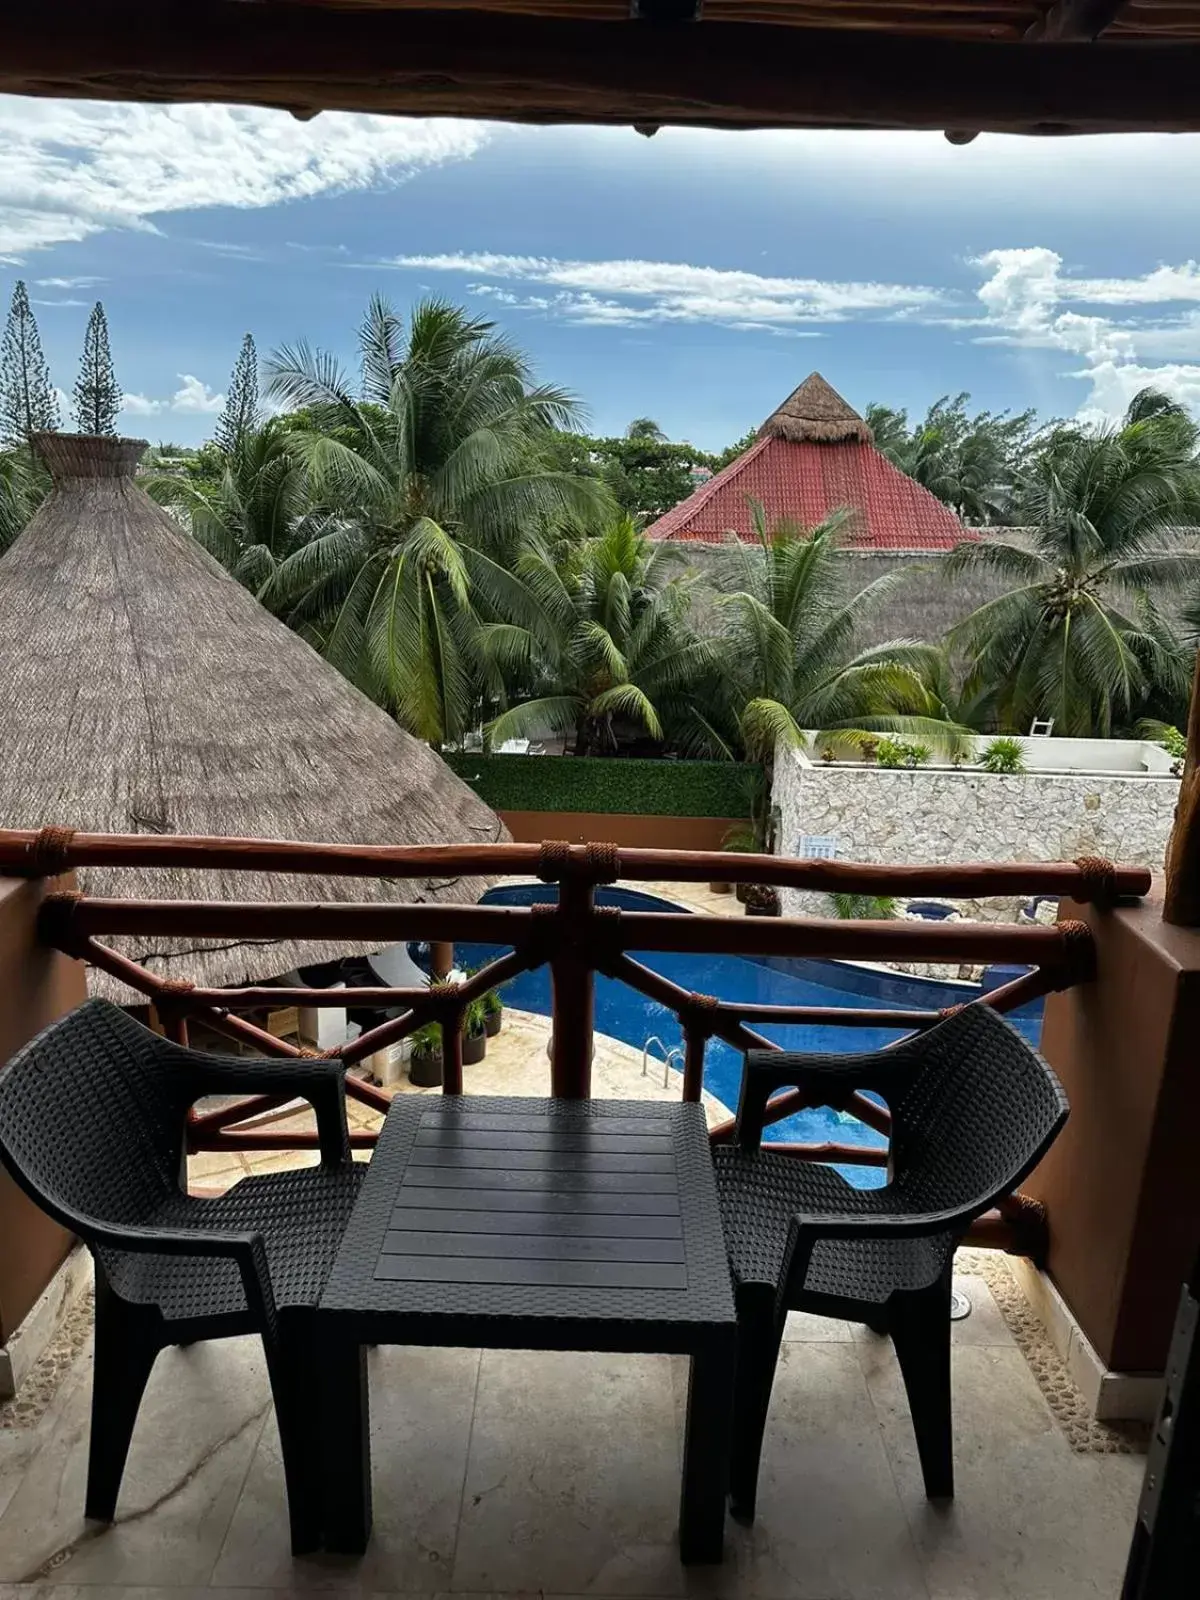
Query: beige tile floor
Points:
[508, 1472]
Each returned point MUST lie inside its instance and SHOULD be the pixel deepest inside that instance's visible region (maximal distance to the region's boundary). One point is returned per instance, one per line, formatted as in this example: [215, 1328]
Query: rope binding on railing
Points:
[50, 852]
[603, 861]
[1099, 879]
[700, 1012]
[554, 860]
[55, 921]
[1079, 952]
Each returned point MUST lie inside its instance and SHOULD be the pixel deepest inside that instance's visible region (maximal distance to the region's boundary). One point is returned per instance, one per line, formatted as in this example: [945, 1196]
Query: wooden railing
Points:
[574, 937]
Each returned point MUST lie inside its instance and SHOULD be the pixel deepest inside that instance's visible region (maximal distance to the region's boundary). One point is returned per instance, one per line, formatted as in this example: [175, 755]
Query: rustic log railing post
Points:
[452, 1050]
[1181, 904]
[573, 993]
[441, 959]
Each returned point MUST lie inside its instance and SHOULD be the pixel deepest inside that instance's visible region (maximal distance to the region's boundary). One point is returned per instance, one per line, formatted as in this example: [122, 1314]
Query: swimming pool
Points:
[625, 1014]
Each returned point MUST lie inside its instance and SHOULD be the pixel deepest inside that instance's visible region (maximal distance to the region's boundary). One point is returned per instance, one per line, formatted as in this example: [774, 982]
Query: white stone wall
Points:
[943, 815]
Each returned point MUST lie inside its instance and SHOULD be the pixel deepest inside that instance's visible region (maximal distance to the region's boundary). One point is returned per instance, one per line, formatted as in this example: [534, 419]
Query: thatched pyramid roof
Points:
[145, 690]
[815, 413]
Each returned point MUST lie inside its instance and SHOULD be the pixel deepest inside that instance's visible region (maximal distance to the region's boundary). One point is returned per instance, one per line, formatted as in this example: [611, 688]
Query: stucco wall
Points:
[897, 816]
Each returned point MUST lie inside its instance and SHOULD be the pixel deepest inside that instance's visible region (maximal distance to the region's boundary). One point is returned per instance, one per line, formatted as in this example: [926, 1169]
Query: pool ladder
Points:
[670, 1058]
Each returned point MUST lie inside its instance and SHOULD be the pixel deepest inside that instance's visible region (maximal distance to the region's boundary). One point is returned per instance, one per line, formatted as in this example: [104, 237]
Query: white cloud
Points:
[37, 302]
[193, 395]
[74, 168]
[624, 293]
[66, 283]
[140, 405]
[1028, 299]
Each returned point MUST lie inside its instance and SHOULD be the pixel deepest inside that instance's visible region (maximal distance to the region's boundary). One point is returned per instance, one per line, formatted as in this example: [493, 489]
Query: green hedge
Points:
[594, 783]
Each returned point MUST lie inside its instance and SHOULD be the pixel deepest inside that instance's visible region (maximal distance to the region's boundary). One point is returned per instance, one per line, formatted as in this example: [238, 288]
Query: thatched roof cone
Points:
[147, 691]
[815, 413]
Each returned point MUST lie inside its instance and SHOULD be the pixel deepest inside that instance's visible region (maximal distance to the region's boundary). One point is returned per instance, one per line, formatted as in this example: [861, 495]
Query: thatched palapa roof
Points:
[815, 413]
[146, 691]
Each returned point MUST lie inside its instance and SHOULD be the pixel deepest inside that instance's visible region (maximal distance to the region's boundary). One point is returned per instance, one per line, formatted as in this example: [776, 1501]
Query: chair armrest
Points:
[805, 1231]
[321, 1083]
[829, 1080]
[247, 1250]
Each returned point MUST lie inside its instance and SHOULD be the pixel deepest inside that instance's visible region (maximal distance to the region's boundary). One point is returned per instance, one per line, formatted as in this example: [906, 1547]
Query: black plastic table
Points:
[536, 1225]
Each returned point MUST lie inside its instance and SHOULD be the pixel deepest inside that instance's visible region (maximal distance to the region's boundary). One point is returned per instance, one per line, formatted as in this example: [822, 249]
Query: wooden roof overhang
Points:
[960, 65]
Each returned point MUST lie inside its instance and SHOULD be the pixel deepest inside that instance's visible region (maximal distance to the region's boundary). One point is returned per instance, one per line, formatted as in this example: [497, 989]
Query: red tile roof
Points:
[804, 479]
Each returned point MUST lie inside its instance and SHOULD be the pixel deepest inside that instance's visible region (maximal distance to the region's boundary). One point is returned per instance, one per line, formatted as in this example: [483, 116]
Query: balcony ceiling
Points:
[964, 66]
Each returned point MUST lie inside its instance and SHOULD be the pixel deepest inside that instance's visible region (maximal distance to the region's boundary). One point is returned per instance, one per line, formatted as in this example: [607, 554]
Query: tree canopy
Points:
[97, 393]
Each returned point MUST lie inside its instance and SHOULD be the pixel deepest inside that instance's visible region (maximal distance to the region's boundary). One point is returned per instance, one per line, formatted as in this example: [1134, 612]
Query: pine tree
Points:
[240, 414]
[28, 403]
[97, 394]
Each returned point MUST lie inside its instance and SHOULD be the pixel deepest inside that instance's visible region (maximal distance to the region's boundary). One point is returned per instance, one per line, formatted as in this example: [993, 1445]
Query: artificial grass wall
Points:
[600, 784]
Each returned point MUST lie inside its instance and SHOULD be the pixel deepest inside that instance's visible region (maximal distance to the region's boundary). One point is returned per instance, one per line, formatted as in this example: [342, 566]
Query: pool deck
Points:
[516, 1063]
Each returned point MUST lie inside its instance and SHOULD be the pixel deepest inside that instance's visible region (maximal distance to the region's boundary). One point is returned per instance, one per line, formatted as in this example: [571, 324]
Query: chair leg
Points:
[293, 1387]
[920, 1328]
[759, 1334]
[126, 1346]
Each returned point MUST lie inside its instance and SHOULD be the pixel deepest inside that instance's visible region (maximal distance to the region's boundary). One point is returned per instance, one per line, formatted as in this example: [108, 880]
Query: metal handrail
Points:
[672, 1057]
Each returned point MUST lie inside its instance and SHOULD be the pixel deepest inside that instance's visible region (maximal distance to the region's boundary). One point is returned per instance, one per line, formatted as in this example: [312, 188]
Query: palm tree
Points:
[608, 636]
[24, 484]
[970, 462]
[255, 513]
[645, 428]
[1075, 636]
[429, 472]
[787, 661]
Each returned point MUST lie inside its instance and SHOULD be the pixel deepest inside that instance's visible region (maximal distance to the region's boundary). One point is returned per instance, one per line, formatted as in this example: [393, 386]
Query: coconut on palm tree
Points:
[428, 471]
[1076, 636]
[607, 640]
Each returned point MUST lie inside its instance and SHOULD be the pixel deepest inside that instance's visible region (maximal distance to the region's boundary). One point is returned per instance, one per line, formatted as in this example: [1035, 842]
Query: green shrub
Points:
[427, 1039]
[1174, 743]
[901, 753]
[1003, 755]
[872, 907]
[613, 784]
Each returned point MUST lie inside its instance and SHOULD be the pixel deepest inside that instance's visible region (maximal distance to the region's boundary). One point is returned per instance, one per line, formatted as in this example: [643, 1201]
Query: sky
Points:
[695, 277]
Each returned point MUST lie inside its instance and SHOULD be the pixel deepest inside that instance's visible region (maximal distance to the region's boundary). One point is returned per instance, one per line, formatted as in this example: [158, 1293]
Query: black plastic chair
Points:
[92, 1115]
[974, 1108]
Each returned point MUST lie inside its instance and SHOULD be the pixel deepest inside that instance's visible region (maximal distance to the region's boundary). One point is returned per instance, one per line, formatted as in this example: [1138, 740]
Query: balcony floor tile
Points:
[201, 1418]
[559, 1473]
[1031, 1520]
[573, 1477]
[421, 1405]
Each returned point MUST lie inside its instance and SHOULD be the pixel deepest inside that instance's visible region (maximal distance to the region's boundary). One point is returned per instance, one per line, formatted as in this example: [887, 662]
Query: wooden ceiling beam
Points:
[558, 69]
[1076, 21]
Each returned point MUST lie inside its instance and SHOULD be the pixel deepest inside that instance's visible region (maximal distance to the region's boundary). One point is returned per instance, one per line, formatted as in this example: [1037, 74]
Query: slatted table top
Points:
[541, 1223]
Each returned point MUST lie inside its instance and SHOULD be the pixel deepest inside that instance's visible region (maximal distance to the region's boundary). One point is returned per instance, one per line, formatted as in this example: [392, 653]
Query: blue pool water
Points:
[626, 1015]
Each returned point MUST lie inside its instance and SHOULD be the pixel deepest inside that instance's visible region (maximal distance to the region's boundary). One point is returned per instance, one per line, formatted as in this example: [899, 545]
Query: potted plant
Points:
[761, 900]
[474, 1040]
[426, 1062]
[493, 1008]
[742, 839]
